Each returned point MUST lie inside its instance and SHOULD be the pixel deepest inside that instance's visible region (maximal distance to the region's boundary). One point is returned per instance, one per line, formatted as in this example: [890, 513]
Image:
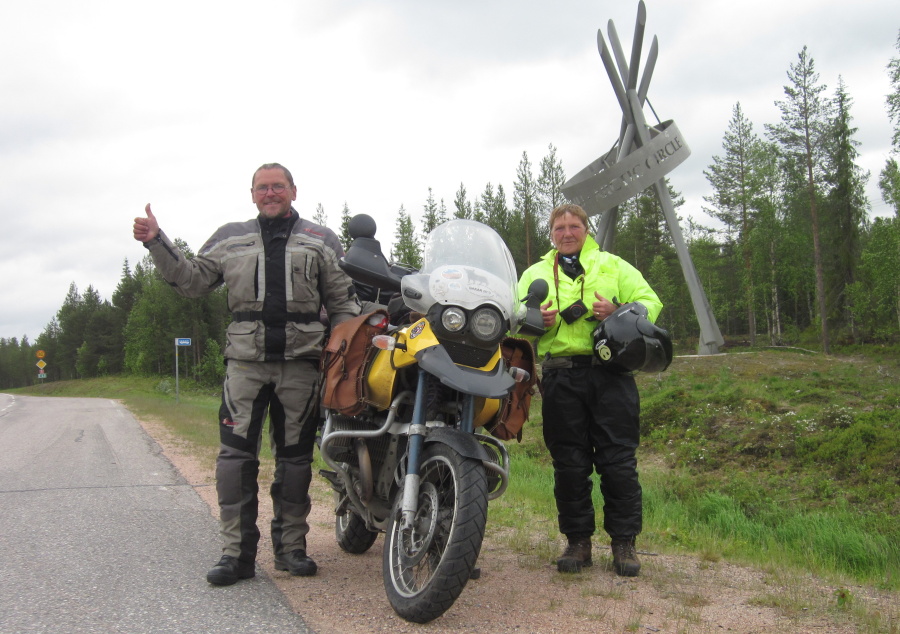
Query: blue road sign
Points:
[183, 341]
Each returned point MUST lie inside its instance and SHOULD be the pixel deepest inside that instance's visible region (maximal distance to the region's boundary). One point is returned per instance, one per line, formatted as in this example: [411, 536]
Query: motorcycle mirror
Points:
[537, 293]
[533, 323]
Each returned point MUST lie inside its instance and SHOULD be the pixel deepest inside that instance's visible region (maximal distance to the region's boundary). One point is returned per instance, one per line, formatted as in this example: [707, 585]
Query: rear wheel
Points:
[427, 565]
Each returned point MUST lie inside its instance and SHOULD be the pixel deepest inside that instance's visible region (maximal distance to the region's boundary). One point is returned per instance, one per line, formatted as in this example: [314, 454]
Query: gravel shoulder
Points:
[522, 592]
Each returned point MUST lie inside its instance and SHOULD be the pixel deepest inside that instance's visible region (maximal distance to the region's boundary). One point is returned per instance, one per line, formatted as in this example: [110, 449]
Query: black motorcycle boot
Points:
[297, 563]
[229, 570]
[576, 556]
[625, 559]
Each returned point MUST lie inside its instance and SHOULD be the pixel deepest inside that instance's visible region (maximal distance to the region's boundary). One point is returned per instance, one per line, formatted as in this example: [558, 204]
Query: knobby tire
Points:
[426, 571]
[351, 533]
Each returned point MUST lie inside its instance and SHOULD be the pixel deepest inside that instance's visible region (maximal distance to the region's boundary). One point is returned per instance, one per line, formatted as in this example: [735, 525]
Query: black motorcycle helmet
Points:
[627, 341]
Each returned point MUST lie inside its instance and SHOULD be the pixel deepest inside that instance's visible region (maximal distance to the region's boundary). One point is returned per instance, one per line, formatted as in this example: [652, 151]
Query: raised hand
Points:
[548, 315]
[146, 229]
[602, 308]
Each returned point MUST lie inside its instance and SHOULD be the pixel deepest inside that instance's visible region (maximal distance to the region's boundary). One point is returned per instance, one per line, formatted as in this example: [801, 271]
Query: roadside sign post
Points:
[41, 364]
[179, 342]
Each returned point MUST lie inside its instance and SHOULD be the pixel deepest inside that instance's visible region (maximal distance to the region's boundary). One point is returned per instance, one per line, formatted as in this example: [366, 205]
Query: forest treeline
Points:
[797, 257]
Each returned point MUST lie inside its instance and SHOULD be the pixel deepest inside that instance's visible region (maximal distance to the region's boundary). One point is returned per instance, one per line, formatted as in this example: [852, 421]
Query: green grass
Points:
[766, 457]
[687, 513]
[780, 459]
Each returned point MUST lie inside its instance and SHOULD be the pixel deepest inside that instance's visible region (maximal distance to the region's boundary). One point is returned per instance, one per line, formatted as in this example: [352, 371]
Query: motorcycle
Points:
[413, 461]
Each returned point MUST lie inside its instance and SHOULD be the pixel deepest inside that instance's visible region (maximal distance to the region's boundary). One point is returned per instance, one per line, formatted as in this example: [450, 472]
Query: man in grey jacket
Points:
[280, 270]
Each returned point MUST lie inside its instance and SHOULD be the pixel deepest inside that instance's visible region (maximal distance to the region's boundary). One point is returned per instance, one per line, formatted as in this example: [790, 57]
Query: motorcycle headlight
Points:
[453, 319]
[486, 324]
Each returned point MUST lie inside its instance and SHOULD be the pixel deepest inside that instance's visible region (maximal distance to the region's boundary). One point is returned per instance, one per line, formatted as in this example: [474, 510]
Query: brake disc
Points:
[416, 541]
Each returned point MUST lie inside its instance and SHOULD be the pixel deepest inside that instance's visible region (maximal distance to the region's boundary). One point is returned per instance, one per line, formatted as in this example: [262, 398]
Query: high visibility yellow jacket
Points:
[609, 275]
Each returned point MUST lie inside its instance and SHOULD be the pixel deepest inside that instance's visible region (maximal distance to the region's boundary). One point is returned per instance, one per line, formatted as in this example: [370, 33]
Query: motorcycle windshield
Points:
[467, 264]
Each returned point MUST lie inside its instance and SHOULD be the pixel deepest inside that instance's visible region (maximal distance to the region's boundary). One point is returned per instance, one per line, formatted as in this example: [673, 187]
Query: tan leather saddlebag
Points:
[345, 359]
[514, 410]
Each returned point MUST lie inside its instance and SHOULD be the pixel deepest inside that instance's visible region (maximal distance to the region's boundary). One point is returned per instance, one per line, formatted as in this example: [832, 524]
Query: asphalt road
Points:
[99, 532]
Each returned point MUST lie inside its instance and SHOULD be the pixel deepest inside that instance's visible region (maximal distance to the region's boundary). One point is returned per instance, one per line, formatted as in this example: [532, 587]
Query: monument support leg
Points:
[623, 173]
[710, 337]
[606, 232]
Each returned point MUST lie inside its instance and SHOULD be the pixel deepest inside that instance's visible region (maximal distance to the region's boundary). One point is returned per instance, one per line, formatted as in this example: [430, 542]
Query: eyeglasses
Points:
[276, 189]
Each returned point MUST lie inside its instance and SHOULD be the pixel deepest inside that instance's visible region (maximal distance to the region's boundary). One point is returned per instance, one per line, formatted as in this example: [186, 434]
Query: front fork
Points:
[417, 431]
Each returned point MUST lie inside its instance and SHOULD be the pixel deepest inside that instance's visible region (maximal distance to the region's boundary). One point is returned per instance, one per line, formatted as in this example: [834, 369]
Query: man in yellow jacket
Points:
[591, 412]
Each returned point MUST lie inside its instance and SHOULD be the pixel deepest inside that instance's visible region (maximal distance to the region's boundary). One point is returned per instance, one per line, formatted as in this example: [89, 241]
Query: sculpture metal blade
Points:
[639, 159]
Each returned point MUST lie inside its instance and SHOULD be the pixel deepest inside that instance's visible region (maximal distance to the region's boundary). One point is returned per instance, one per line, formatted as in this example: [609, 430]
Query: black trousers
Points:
[592, 421]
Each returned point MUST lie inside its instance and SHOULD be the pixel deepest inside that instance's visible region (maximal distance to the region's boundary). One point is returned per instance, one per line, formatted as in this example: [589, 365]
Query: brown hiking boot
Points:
[576, 556]
[625, 559]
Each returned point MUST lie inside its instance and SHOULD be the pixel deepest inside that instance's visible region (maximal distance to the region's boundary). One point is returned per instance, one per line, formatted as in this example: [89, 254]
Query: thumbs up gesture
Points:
[146, 229]
[602, 308]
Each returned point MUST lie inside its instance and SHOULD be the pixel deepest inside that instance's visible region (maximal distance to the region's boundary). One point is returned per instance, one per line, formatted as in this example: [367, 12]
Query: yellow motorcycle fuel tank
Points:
[382, 375]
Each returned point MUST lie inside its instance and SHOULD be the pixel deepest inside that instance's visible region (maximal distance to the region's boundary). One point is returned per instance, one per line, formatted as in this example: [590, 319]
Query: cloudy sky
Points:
[105, 106]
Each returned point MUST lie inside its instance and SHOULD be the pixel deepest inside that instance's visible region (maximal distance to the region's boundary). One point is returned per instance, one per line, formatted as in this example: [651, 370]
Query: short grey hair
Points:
[273, 166]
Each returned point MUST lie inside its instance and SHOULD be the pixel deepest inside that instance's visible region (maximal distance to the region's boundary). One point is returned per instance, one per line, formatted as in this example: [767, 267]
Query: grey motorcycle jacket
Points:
[279, 274]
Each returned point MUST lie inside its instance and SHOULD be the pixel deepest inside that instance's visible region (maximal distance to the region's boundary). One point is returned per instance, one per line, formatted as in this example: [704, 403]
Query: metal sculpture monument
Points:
[641, 158]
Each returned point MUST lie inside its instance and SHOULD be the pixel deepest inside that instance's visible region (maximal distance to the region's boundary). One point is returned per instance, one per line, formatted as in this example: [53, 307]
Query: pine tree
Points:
[889, 184]
[159, 315]
[461, 204]
[797, 278]
[148, 346]
[484, 206]
[479, 214]
[889, 180]
[497, 215]
[430, 218]
[406, 248]
[526, 204]
[641, 233]
[344, 235]
[123, 300]
[550, 180]
[126, 292]
[893, 98]
[846, 205]
[731, 177]
[885, 257]
[768, 237]
[17, 363]
[803, 133]
[98, 353]
[320, 217]
[72, 319]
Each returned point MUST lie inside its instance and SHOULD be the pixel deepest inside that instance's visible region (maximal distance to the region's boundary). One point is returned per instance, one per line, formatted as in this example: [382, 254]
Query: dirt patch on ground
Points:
[523, 592]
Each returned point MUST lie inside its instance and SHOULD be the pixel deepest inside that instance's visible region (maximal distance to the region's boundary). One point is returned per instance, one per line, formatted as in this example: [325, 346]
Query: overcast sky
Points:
[105, 106]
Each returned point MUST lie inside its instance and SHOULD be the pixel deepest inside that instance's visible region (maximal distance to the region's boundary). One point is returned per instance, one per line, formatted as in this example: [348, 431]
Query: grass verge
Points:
[786, 461]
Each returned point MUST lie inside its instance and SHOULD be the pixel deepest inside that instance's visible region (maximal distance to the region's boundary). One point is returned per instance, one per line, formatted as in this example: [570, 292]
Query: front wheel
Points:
[426, 566]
